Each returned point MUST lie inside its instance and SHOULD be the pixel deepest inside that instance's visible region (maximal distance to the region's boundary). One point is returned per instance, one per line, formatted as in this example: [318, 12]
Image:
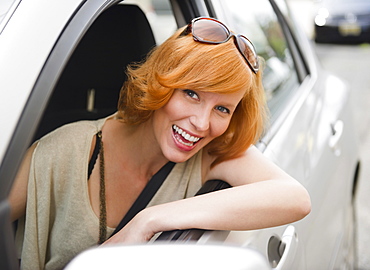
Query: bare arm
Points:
[18, 194]
[262, 196]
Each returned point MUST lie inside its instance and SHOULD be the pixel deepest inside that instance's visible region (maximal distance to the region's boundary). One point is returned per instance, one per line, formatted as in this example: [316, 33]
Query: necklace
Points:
[103, 208]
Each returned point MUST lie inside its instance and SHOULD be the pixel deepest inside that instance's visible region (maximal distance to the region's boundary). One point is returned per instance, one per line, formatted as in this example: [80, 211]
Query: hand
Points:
[136, 231]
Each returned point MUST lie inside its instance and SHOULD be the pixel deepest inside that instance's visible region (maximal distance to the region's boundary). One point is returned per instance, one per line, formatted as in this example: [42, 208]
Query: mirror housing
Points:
[170, 256]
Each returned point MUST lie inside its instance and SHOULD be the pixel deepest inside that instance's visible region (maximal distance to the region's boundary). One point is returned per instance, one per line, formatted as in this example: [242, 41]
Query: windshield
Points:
[6, 9]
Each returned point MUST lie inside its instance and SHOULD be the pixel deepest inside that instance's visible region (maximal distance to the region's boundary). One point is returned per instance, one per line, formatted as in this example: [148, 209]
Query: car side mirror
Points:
[169, 257]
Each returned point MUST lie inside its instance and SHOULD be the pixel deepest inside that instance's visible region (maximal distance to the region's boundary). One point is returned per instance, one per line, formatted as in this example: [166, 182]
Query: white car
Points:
[62, 61]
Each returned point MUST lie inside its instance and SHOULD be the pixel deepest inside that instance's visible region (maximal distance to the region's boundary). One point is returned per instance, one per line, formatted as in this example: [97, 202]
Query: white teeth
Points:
[185, 135]
[188, 144]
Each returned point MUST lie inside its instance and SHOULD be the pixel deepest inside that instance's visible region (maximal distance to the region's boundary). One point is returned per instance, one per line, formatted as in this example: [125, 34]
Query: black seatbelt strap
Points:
[146, 195]
[94, 156]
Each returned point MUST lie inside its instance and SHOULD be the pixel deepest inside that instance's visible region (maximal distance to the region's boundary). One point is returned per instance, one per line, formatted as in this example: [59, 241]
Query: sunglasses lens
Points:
[210, 31]
[247, 49]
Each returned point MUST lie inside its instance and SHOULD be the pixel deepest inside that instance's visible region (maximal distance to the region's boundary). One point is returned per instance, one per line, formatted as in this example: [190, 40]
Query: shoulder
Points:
[73, 137]
[252, 166]
[73, 130]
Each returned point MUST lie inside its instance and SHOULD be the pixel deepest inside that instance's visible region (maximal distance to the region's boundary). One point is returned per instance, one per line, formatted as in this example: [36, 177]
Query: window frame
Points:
[29, 120]
[299, 61]
[301, 66]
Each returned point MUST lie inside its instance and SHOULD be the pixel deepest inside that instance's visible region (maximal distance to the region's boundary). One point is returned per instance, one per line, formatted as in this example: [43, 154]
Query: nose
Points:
[200, 119]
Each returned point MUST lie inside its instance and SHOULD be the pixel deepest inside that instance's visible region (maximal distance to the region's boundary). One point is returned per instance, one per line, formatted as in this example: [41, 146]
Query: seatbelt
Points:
[146, 195]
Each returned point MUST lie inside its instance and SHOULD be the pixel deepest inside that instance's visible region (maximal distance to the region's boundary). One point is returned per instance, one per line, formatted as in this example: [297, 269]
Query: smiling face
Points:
[192, 119]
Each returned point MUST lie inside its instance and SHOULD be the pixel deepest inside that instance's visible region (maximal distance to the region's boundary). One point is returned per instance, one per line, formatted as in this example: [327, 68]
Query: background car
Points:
[342, 21]
[62, 61]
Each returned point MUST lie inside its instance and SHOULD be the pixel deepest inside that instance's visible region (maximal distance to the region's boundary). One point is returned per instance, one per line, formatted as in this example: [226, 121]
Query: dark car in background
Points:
[342, 21]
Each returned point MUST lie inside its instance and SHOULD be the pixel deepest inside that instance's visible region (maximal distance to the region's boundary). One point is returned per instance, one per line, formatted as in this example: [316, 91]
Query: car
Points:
[342, 21]
[63, 61]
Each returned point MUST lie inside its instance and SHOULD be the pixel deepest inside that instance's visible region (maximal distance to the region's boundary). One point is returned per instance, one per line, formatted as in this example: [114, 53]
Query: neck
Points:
[135, 147]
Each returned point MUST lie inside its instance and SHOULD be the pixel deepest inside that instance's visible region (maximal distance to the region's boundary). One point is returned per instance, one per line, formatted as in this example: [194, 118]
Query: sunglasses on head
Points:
[212, 31]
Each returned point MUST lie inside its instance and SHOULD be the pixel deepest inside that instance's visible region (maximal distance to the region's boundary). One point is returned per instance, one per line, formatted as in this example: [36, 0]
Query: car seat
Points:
[90, 83]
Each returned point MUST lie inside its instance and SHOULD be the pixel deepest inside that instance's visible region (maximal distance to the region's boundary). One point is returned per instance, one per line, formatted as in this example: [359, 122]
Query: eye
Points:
[191, 94]
[222, 109]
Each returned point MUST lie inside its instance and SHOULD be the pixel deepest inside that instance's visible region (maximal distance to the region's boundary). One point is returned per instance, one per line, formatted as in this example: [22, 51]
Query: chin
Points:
[179, 157]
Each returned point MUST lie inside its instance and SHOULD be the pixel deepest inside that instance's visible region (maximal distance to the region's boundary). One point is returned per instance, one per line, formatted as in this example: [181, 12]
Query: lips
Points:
[185, 138]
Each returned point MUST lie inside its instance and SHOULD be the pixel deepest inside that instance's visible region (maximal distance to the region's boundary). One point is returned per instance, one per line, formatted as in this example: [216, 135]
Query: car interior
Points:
[90, 83]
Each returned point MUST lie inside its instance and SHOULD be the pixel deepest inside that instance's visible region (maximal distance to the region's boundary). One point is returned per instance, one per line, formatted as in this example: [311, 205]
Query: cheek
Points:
[175, 109]
[219, 127]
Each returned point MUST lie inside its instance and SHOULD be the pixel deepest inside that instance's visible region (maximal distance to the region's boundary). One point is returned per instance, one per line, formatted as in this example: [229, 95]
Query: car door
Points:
[308, 136]
[332, 166]
[282, 80]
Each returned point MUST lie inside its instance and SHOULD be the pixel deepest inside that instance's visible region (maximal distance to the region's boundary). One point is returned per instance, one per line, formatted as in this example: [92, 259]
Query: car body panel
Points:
[25, 44]
[322, 103]
[170, 256]
[311, 137]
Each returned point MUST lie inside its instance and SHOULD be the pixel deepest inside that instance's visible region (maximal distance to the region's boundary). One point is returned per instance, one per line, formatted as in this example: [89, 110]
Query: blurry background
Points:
[351, 62]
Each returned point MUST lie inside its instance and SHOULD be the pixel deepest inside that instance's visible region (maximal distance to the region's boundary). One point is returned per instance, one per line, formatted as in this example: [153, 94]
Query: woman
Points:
[197, 101]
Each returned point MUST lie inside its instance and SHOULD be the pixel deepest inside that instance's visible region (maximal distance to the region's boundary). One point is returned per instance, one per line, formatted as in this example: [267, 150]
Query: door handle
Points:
[337, 132]
[281, 252]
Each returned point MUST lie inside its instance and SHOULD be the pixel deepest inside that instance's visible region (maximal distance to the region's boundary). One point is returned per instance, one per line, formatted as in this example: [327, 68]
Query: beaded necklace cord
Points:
[103, 208]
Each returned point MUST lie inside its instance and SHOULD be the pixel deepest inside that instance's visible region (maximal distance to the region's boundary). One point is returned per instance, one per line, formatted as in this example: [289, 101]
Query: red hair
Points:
[182, 63]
